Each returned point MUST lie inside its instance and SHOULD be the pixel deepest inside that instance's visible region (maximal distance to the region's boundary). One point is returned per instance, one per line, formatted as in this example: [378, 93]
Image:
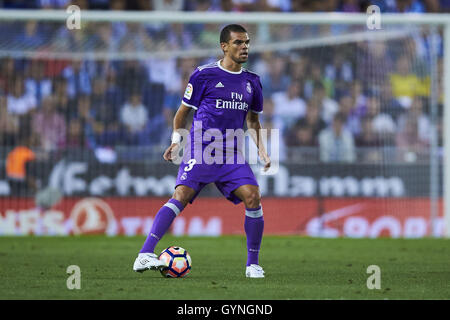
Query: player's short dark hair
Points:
[226, 31]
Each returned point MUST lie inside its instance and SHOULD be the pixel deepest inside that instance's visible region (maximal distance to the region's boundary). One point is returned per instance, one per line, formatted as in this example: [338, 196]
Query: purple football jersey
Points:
[221, 99]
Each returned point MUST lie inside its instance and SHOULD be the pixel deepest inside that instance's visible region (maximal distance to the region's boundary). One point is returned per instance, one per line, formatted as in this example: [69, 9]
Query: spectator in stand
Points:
[49, 125]
[87, 121]
[416, 111]
[347, 108]
[420, 63]
[368, 137]
[37, 82]
[83, 109]
[78, 79]
[337, 143]
[168, 5]
[103, 39]
[64, 104]
[276, 79]
[18, 4]
[281, 33]
[289, 106]
[408, 141]
[19, 101]
[369, 141]
[387, 101]
[114, 95]
[106, 92]
[261, 64]
[9, 124]
[83, 4]
[174, 94]
[301, 135]
[405, 84]
[328, 107]
[31, 37]
[246, 5]
[315, 78]
[359, 98]
[133, 117]
[373, 64]
[298, 69]
[382, 122]
[119, 28]
[385, 6]
[410, 6]
[18, 166]
[350, 6]
[228, 6]
[98, 4]
[75, 134]
[53, 4]
[338, 73]
[7, 71]
[443, 6]
[197, 29]
[208, 36]
[275, 155]
[178, 37]
[105, 124]
[276, 5]
[313, 120]
[164, 71]
[156, 131]
[131, 75]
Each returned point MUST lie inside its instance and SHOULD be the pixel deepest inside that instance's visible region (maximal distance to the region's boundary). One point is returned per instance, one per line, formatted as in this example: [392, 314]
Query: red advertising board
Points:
[328, 217]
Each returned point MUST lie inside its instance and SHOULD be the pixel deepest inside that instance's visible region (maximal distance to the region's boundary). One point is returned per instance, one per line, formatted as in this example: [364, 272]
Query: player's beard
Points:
[240, 59]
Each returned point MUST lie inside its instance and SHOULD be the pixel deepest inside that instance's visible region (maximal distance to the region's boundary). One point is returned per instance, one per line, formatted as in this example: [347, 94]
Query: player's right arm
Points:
[179, 122]
[191, 100]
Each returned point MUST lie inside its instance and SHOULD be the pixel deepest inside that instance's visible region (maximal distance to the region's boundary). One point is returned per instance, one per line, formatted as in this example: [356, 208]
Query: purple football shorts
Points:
[226, 177]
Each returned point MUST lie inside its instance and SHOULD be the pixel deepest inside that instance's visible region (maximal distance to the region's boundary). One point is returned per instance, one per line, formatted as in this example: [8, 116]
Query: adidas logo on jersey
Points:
[219, 85]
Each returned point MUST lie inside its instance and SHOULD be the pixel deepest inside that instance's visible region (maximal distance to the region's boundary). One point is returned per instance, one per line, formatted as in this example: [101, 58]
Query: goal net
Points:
[86, 114]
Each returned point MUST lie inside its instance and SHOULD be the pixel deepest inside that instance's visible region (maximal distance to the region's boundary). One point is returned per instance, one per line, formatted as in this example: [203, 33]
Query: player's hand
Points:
[266, 160]
[171, 152]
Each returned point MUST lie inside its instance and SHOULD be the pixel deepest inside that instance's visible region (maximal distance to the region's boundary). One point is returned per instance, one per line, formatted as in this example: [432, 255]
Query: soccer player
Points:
[224, 95]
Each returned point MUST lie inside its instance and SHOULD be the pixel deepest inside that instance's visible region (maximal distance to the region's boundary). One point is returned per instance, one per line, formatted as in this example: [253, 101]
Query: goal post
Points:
[393, 26]
[446, 165]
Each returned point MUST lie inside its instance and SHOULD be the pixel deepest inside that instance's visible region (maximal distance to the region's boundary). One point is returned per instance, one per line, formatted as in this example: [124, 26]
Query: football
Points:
[178, 262]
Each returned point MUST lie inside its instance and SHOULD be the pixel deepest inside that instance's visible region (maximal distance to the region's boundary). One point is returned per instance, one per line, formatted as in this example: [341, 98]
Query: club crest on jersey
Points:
[249, 87]
[188, 92]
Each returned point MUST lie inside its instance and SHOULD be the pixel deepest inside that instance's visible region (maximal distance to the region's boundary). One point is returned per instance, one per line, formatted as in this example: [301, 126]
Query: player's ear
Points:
[224, 46]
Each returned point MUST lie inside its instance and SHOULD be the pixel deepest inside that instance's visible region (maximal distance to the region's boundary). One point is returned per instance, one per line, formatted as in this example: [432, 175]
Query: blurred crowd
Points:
[335, 99]
[418, 6]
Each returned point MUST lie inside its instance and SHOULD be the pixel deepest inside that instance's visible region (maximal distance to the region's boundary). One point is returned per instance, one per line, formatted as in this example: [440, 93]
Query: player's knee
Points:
[182, 195]
[253, 200]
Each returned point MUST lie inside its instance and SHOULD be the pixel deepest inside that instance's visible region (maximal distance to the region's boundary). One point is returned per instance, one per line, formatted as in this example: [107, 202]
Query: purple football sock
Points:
[161, 224]
[254, 227]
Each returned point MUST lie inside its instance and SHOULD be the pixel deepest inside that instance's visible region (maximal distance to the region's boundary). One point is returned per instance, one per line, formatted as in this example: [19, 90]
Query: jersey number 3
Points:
[191, 164]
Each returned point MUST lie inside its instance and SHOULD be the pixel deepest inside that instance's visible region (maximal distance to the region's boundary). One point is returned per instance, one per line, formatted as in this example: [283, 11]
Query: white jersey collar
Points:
[233, 72]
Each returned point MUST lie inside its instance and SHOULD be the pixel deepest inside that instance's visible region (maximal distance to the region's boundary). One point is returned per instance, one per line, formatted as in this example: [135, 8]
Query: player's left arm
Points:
[254, 124]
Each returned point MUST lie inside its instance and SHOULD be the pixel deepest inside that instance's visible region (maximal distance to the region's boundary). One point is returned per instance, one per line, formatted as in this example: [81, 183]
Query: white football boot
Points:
[254, 271]
[147, 261]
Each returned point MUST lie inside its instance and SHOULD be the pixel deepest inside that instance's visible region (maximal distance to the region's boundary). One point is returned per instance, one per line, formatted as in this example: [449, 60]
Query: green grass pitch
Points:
[296, 268]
